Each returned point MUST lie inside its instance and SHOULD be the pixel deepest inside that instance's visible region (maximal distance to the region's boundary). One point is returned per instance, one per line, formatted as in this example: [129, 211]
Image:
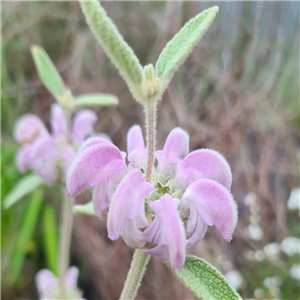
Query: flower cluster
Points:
[187, 193]
[50, 155]
[48, 285]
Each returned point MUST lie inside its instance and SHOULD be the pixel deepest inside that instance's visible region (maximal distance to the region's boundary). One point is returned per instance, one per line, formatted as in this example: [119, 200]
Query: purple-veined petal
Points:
[92, 141]
[214, 203]
[176, 148]
[92, 166]
[103, 192]
[204, 163]
[45, 282]
[83, 124]
[44, 157]
[57, 120]
[126, 202]
[23, 158]
[28, 127]
[71, 277]
[172, 230]
[68, 155]
[195, 228]
[137, 153]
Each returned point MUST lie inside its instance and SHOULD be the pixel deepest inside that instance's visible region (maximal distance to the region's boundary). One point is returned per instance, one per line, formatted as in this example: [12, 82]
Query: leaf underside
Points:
[48, 72]
[204, 280]
[95, 100]
[178, 49]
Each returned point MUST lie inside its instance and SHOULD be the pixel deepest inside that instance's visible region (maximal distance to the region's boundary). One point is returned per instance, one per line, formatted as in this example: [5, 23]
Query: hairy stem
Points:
[135, 275]
[65, 240]
[150, 110]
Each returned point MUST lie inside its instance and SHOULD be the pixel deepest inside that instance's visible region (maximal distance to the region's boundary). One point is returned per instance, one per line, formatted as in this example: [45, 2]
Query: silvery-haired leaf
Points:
[23, 187]
[48, 72]
[84, 209]
[182, 44]
[95, 100]
[205, 281]
[114, 45]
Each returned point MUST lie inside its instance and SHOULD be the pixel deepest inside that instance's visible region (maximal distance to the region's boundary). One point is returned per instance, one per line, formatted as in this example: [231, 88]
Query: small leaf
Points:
[48, 72]
[182, 44]
[119, 52]
[205, 281]
[50, 238]
[25, 233]
[26, 185]
[95, 100]
[84, 209]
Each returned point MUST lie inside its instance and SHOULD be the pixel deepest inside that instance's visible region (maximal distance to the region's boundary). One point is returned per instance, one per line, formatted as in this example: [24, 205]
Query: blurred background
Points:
[237, 93]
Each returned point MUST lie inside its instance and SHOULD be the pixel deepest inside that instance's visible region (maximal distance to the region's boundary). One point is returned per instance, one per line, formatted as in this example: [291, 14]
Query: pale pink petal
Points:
[204, 163]
[137, 153]
[92, 166]
[23, 158]
[92, 141]
[57, 120]
[176, 148]
[83, 124]
[44, 156]
[46, 282]
[28, 127]
[131, 234]
[214, 203]
[172, 230]
[103, 192]
[126, 202]
[71, 277]
[161, 252]
[195, 228]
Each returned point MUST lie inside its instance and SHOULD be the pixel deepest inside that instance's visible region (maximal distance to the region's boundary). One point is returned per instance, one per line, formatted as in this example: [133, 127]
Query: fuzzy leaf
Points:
[84, 209]
[26, 185]
[182, 44]
[205, 281]
[48, 72]
[95, 100]
[113, 43]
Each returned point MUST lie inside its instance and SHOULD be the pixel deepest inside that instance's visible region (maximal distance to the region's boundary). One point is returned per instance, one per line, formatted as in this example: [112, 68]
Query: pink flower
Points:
[48, 284]
[50, 155]
[187, 193]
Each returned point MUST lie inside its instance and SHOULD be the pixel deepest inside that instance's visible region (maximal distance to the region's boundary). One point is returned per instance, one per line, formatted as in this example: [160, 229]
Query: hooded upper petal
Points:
[44, 157]
[204, 163]
[176, 148]
[137, 153]
[83, 124]
[23, 158]
[214, 203]
[171, 230]
[92, 166]
[71, 277]
[92, 141]
[126, 203]
[28, 127]
[57, 120]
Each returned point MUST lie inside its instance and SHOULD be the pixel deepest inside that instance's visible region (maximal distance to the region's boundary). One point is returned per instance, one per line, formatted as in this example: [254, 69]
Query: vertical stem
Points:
[150, 110]
[65, 240]
[135, 275]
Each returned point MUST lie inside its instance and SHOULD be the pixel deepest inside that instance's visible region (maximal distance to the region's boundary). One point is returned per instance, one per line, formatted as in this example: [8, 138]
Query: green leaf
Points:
[95, 100]
[84, 209]
[26, 185]
[50, 237]
[119, 52]
[204, 280]
[182, 44]
[25, 233]
[48, 72]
